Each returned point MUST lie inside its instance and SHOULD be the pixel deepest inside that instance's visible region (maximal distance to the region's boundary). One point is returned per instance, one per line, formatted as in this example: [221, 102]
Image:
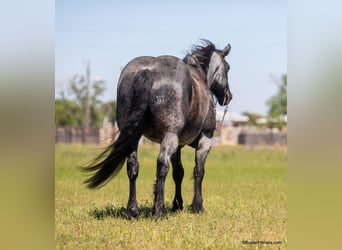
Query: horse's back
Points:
[165, 69]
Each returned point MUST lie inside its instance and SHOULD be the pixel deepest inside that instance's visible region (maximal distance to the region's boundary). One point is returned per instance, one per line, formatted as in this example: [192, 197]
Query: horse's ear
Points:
[226, 50]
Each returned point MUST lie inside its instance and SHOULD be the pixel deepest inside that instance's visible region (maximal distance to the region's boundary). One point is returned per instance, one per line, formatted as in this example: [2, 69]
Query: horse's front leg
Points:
[132, 172]
[168, 147]
[202, 149]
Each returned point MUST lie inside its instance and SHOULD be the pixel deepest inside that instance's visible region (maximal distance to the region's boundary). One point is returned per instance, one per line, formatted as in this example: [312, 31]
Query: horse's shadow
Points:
[121, 213]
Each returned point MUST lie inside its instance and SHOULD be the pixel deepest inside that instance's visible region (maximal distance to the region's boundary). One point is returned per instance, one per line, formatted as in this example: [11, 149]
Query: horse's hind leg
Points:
[202, 150]
[177, 174]
[132, 172]
[168, 147]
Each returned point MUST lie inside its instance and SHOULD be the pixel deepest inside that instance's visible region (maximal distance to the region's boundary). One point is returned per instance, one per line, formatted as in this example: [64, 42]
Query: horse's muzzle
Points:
[227, 98]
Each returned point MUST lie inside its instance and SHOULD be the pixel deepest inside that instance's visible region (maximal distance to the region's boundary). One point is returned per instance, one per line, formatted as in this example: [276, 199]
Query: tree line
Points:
[276, 107]
[72, 111]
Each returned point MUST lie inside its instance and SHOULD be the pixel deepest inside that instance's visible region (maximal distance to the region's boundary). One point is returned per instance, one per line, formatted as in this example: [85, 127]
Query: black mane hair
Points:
[200, 54]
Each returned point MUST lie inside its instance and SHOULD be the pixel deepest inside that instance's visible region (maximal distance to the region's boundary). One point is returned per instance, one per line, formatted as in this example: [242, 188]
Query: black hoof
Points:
[177, 206]
[195, 208]
[133, 212]
[159, 213]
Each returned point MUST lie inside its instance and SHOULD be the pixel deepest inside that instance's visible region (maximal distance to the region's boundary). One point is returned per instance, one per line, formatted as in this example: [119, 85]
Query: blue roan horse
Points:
[170, 101]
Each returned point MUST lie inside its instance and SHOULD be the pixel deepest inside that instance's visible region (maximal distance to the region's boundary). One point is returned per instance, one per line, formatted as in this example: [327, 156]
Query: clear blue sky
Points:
[111, 33]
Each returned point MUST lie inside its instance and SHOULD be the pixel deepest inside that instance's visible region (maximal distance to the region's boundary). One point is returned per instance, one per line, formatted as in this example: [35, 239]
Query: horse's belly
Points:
[152, 136]
[186, 136]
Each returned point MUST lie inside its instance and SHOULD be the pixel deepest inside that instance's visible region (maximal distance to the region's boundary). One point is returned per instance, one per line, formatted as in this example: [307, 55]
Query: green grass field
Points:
[244, 193]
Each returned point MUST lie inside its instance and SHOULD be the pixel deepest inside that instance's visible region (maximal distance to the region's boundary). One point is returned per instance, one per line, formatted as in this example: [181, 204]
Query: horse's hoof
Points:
[196, 208]
[159, 217]
[176, 206]
[133, 212]
[159, 213]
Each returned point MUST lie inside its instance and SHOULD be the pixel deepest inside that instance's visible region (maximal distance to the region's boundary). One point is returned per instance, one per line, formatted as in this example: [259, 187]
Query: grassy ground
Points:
[244, 191]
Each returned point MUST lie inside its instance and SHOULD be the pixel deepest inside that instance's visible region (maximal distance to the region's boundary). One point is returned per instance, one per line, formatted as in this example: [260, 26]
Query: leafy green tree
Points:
[109, 110]
[96, 116]
[68, 113]
[78, 86]
[277, 104]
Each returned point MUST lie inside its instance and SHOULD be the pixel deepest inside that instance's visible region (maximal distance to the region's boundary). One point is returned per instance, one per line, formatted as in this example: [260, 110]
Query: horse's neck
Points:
[198, 77]
[198, 74]
[200, 88]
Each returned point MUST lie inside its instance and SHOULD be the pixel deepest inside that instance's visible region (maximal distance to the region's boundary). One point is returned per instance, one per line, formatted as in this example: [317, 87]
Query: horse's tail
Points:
[110, 162]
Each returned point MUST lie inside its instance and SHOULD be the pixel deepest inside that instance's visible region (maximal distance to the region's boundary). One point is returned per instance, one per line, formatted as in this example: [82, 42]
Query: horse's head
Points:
[214, 68]
[217, 75]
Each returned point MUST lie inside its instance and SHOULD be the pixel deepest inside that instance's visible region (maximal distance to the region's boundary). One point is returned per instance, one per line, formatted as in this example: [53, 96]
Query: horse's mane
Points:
[200, 55]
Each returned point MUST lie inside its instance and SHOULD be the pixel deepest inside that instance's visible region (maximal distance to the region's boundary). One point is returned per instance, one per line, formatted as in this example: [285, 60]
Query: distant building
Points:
[234, 130]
